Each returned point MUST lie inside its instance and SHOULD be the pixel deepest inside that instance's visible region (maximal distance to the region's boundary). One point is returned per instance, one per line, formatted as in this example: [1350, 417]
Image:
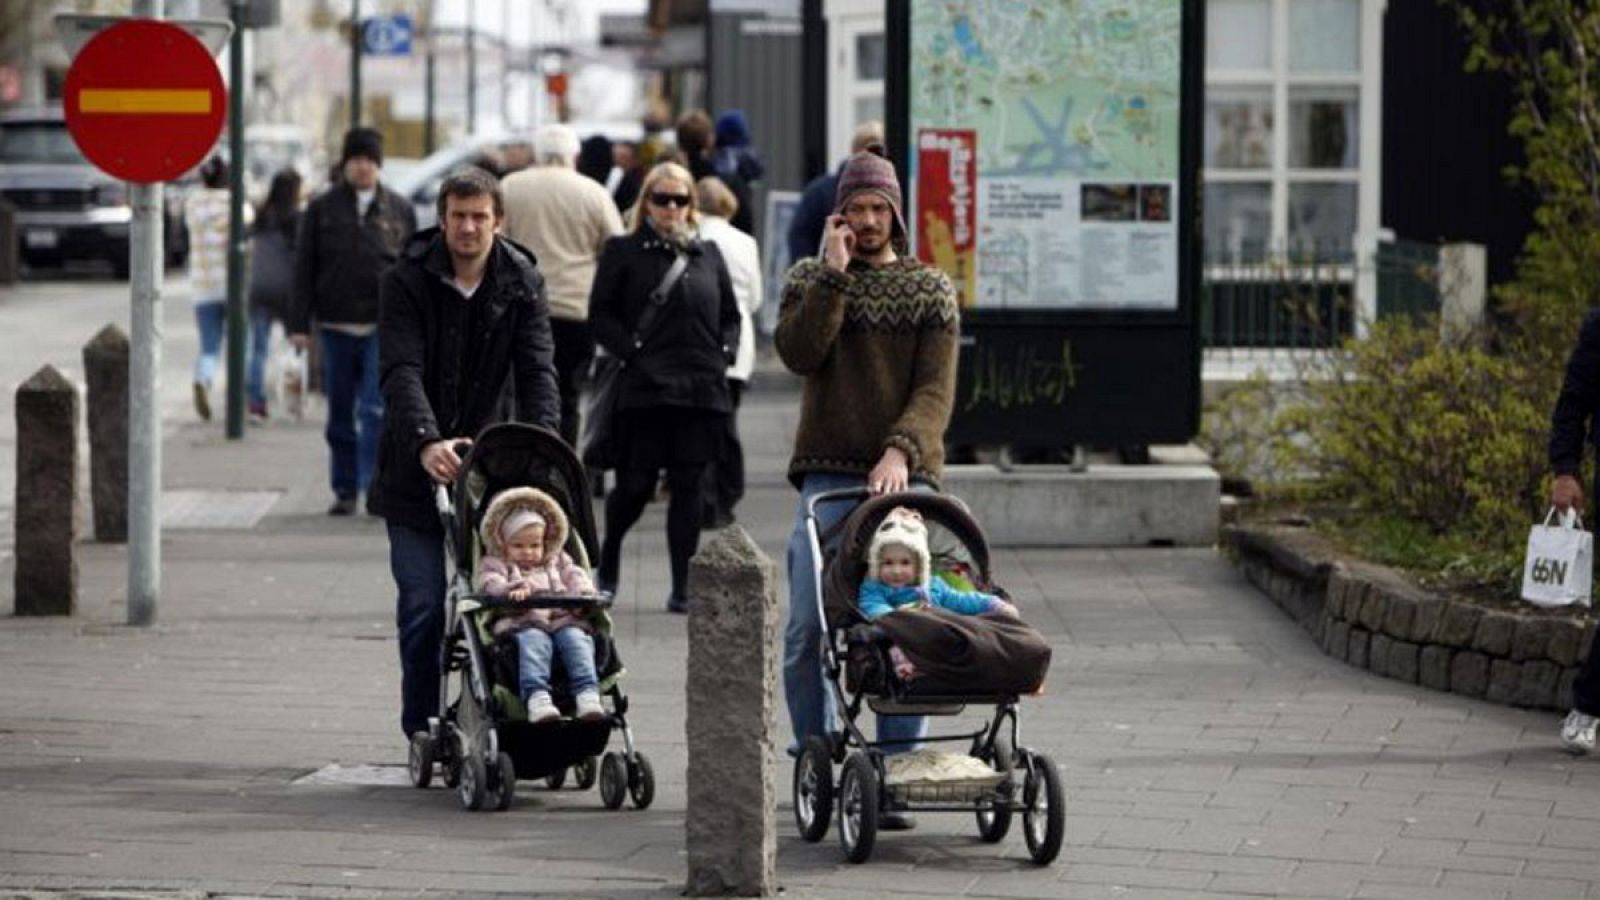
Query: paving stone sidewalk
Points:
[1209, 750]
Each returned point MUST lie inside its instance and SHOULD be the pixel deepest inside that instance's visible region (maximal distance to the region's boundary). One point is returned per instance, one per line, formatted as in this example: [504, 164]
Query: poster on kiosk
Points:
[1051, 156]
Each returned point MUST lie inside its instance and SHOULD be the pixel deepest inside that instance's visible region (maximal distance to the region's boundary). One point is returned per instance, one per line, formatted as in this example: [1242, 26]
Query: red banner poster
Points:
[947, 206]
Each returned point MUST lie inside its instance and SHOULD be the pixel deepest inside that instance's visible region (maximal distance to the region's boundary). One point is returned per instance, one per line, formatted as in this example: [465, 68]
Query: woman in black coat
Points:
[672, 399]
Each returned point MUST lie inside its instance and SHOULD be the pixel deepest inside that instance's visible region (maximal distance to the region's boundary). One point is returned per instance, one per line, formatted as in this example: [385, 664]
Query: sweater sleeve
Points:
[967, 603]
[873, 600]
[810, 315]
[1575, 405]
[494, 578]
[574, 580]
[921, 424]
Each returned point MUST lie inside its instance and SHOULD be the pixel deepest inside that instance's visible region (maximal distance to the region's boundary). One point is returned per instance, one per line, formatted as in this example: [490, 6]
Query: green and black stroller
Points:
[481, 740]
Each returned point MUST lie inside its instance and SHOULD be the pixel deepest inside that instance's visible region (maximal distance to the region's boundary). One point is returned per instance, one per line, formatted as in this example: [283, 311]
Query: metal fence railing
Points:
[1298, 304]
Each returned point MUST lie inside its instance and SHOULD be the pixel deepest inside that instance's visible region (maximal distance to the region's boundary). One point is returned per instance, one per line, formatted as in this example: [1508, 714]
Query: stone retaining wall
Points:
[1371, 618]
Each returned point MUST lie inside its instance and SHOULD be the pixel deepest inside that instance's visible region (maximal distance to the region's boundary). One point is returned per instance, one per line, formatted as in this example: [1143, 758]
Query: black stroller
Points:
[481, 738]
[1012, 779]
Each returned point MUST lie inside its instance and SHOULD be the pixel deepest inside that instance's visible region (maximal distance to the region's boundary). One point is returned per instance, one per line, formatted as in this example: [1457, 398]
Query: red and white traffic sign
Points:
[144, 101]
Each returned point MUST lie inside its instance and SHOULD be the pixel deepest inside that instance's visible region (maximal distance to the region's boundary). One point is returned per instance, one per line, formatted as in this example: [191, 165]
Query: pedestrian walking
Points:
[1574, 420]
[565, 219]
[348, 236]
[697, 143]
[663, 305]
[874, 333]
[736, 151]
[206, 212]
[816, 200]
[723, 487]
[464, 312]
[272, 242]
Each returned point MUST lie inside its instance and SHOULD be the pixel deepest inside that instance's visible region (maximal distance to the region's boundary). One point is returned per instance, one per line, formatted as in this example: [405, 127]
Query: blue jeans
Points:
[812, 710]
[416, 559]
[260, 342]
[355, 408]
[572, 644]
[210, 317]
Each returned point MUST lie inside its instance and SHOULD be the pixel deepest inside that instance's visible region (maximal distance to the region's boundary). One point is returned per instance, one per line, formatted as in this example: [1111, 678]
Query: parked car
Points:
[66, 209]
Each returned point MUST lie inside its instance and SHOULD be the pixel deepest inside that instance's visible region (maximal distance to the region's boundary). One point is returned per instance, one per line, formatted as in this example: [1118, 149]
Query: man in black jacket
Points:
[464, 317]
[348, 236]
[1574, 420]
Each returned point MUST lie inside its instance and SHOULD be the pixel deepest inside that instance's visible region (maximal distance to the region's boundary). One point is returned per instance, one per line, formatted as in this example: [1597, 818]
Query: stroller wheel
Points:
[585, 773]
[641, 782]
[1043, 808]
[556, 779]
[505, 782]
[419, 761]
[858, 807]
[994, 811]
[813, 789]
[449, 755]
[473, 788]
[613, 780]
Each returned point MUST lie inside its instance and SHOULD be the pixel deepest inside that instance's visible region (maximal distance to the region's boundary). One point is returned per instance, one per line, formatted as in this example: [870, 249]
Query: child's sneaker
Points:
[542, 709]
[589, 708]
[1578, 732]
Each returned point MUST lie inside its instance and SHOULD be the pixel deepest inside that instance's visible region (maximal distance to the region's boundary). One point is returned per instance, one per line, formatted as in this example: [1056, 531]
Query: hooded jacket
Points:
[446, 363]
[558, 573]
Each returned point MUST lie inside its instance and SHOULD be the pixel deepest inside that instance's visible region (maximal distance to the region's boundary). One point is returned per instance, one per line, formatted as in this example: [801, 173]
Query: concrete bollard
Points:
[46, 578]
[105, 365]
[732, 684]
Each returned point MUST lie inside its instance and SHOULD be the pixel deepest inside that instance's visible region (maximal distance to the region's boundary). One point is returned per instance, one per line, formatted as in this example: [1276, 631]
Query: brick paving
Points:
[1208, 748]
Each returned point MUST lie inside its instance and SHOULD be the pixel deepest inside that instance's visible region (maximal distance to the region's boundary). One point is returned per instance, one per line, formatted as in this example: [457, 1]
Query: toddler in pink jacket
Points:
[524, 531]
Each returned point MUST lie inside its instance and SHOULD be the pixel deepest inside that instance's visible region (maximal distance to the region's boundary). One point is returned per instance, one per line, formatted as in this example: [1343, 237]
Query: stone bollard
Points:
[105, 365]
[46, 578]
[732, 683]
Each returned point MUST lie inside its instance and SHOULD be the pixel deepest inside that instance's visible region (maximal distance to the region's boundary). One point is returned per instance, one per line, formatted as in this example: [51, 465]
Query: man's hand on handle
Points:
[892, 473]
[1566, 493]
[440, 461]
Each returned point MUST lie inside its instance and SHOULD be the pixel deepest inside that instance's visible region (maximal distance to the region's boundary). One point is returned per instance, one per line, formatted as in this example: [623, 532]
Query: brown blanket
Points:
[988, 654]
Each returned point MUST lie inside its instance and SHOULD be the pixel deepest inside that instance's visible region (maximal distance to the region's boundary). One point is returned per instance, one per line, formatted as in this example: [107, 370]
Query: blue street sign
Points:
[386, 35]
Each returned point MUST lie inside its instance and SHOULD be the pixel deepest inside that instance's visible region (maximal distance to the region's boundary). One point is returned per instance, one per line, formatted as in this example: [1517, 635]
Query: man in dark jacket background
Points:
[464, 311]
[1573, 422]
[348, 236]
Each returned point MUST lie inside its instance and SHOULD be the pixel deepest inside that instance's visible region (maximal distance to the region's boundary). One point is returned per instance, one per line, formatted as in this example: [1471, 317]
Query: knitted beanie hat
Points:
[867, 171]
[901, 527]
[362, 142]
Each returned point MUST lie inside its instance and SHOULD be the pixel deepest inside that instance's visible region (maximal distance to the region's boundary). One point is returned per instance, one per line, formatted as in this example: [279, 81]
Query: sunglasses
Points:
[669, 199]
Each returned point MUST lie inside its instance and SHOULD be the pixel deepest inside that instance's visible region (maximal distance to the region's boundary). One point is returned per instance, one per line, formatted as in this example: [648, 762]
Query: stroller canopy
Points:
[513, 454]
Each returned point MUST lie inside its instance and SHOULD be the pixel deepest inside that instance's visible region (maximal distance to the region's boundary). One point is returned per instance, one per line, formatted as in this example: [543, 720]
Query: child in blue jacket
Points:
[899, 575]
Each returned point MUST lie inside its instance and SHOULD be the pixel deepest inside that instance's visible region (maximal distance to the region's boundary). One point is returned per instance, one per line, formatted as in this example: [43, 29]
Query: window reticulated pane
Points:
[1238, 221]
[1324, 36]
[869, 108]
[1238, 128]
[870, 57]
[1239, 34]
[1324, 127]
[1322, 221]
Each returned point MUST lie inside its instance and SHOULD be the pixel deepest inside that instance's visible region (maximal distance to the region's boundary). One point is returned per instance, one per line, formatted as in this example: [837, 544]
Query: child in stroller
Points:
[525, 530]
[987, 656]
[900, 575]
[481, 738]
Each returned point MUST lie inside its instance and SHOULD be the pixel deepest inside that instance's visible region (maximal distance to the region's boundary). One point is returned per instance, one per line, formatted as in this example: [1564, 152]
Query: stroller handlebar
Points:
[600, 600]
[849, 493]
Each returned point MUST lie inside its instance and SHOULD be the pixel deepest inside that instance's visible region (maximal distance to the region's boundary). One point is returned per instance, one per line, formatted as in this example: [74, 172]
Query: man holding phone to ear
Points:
[874, 332]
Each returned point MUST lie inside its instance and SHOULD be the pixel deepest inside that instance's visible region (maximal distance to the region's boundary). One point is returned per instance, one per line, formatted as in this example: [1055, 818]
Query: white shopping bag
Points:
[293, 380]
[1559, 567]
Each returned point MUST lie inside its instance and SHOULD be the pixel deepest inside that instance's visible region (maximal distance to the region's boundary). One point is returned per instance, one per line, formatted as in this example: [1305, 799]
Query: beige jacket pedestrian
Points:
[564, 218]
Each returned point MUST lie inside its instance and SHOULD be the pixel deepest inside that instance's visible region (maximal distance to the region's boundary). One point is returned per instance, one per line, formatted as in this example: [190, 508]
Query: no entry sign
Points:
[144, 101]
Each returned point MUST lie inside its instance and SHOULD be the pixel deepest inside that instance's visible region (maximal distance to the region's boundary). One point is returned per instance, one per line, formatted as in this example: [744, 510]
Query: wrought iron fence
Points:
[1307, 304]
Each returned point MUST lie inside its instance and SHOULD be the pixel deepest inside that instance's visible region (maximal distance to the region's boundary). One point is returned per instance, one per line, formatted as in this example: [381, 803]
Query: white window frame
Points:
[1367, 176]
[848, 20]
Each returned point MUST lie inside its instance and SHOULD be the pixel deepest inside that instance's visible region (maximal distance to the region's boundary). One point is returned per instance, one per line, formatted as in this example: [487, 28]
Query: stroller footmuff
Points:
[481, 741]
[966, 661]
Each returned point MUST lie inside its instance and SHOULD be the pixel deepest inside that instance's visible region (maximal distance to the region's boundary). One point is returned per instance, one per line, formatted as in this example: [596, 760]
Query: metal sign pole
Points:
[236, 238]
[144, 392]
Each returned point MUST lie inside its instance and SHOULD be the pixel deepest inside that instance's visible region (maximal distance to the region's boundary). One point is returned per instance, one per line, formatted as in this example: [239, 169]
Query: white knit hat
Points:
[902, 527]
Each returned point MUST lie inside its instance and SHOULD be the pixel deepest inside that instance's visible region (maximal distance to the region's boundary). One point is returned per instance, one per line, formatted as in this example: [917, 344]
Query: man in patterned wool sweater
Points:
[874, 333]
